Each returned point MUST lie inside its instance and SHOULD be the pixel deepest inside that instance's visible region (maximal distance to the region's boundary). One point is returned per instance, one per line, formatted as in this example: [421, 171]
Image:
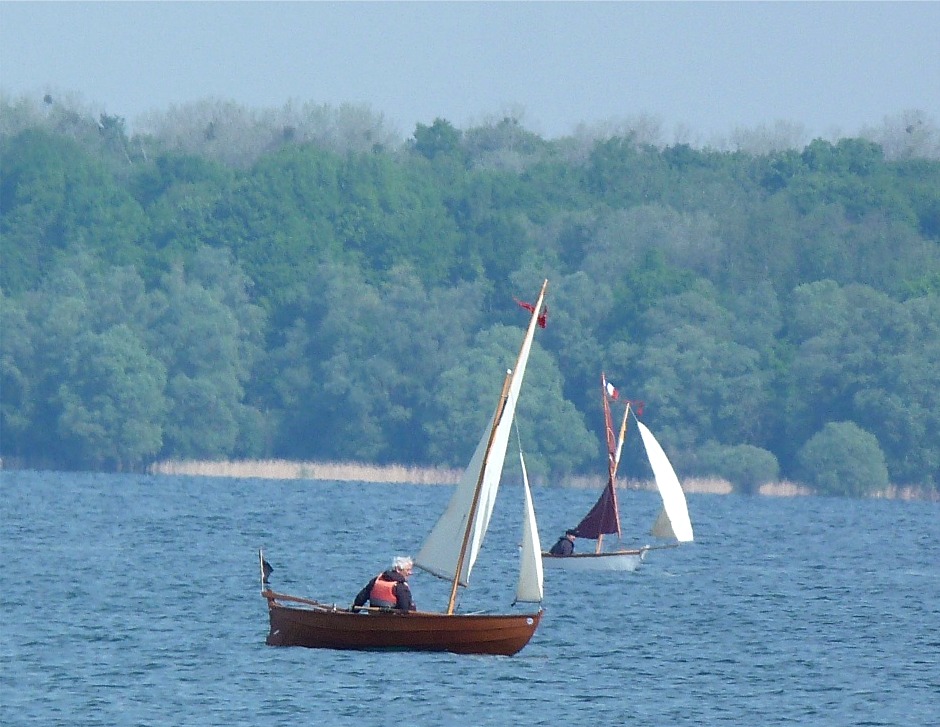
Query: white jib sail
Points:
[529, 588]
[674, 504]
[441, 550]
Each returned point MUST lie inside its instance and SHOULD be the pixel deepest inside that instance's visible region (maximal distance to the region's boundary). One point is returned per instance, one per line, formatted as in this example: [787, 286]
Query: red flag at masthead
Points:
[542, 320]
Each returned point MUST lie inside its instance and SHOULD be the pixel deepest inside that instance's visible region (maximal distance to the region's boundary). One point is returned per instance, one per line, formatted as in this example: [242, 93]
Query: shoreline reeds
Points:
[278, 469]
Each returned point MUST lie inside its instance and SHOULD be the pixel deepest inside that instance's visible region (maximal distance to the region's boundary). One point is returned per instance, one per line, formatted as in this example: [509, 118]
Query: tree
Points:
[361, 365]
[393, 214]
[438, 139]
[207, 334]
[908, 135]
[901, 405]
[502, 144]
[623, 173]
[687, 241]
[843, 459]
[576, 305]
[699, 380]
[112, 401]
[81, 310]
[17, 376]
[745, 466]
[56, 199]
[860, 356]
[695, 278]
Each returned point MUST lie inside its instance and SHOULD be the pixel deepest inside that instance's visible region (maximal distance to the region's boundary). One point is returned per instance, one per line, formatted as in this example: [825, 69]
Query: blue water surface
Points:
[134, 600]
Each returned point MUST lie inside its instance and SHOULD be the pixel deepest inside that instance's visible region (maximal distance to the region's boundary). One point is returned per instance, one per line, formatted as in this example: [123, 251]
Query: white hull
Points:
[616, 560]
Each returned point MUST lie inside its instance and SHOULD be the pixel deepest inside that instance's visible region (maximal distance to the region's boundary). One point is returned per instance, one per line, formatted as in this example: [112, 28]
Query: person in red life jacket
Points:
[565, 544]
[389, 589]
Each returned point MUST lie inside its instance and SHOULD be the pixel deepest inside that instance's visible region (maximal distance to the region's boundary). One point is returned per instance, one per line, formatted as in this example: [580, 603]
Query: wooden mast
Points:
[498, 415]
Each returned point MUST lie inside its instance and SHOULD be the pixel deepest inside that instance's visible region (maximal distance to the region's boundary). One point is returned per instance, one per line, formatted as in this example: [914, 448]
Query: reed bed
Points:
[784, 489]
[702, 485]
[909, 492]
[707, 486]
[278, 469]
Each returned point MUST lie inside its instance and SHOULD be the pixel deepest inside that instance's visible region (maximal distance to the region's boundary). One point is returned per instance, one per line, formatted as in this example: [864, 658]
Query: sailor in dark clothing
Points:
[389, 589]
[565, 544]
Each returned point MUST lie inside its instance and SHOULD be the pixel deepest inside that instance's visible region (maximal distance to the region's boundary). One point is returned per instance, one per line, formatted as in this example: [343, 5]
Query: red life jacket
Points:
[382, 594]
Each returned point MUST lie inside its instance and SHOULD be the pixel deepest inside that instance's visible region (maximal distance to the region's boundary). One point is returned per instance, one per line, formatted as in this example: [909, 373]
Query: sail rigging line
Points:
[613, 476]
[621, 438]
[515, 426]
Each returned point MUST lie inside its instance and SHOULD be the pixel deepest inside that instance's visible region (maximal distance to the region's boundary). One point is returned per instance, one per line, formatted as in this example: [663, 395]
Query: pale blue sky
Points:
[833, 67]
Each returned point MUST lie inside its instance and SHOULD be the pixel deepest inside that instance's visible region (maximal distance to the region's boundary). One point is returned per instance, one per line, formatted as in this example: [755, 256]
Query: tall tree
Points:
[700, 382]
[17, 375]
[207, 333]
[55, 198]
[376, 353]
[112, 402]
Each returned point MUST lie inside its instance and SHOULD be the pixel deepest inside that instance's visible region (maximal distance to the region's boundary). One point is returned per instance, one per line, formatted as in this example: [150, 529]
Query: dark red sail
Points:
[604, 517]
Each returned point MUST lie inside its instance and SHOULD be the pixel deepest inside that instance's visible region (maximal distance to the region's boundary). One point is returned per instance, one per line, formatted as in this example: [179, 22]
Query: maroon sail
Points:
[604, 517]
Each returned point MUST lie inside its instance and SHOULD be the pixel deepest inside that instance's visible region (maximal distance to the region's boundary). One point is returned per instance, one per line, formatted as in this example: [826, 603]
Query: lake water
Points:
[134, 600]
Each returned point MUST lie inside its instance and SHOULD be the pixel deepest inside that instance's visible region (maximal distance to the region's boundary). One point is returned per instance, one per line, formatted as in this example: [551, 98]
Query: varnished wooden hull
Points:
[325, 627]
[617, 560]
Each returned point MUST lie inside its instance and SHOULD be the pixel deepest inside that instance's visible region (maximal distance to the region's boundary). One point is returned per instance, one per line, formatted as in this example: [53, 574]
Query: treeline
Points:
[303, 285]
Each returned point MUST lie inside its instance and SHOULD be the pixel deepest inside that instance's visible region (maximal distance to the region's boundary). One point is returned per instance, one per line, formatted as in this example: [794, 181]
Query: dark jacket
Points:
[403, 599]
[562, 547]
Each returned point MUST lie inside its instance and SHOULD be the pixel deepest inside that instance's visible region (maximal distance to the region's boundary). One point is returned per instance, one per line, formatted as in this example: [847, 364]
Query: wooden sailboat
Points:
[673, 522]
[449, 552]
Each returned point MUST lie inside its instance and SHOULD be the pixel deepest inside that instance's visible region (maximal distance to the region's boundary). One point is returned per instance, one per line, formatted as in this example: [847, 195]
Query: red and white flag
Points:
[612, 392]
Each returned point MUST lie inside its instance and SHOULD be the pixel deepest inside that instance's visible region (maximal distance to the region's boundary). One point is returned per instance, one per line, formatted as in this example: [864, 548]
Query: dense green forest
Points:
[225, 283]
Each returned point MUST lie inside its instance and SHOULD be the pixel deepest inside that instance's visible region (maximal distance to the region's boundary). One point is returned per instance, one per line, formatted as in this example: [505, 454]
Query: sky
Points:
[705, 67]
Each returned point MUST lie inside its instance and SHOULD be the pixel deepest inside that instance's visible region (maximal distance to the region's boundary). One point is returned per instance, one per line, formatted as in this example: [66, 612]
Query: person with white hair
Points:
[389, 590]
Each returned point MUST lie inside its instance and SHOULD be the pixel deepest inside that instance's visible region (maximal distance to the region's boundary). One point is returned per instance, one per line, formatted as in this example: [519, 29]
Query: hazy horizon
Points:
[698, 68]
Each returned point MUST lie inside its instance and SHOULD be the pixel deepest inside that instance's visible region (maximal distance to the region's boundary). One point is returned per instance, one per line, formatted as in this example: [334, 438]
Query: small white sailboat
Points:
[673, 522]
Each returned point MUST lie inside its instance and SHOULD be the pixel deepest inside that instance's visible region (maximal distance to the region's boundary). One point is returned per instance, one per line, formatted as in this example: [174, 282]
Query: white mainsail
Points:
[441, 550]
[674, 504]
[440, 553]
[529, 587]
